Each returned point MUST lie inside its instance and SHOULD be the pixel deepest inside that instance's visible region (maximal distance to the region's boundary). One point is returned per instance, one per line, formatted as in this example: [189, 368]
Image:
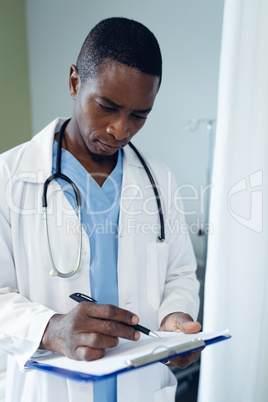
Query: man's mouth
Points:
[109, 147]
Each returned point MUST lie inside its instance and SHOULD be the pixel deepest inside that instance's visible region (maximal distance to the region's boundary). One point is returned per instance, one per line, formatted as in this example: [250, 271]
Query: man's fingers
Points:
[87, 330]
[186, 324]
[190, 327]
[89, 346]
[183, 318]
[96, 340]
[85, 320]
[113, 328]
[88, 354]
[180, 322]
[186, 360]
[107, 312]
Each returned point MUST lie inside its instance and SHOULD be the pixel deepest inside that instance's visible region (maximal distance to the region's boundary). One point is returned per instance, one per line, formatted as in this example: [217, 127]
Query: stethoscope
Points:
[54, 271]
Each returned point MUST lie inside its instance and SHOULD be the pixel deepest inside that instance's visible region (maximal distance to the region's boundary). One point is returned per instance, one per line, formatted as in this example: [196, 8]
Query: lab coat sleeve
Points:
[22, 322]
[181, 285]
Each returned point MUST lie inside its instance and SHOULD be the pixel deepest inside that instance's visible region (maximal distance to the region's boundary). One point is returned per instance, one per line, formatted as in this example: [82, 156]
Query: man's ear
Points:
[74, 81]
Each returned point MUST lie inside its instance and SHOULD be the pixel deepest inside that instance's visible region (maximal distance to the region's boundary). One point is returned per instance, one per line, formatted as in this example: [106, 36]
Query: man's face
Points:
[112, 107]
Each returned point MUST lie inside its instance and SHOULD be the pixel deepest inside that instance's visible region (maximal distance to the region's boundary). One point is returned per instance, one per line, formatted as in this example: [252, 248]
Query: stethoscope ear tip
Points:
[53, 273]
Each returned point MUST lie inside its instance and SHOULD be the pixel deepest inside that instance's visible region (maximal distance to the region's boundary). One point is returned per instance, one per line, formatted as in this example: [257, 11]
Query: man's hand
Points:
[87, 330]
[180, 322]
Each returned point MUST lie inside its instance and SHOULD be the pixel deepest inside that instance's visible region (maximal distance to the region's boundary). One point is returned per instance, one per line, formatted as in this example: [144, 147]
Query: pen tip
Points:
[154, 335]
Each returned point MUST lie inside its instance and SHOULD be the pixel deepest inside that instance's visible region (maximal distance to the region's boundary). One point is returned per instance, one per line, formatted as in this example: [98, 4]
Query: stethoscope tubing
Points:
[54, 271]
[161, 238]
[58, 174]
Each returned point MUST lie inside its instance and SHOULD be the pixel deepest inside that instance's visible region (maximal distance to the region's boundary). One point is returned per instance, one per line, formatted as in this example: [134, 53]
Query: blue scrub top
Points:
[100, 216]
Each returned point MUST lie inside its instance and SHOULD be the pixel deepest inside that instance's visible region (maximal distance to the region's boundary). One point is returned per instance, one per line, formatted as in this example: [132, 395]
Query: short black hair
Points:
[123, 40]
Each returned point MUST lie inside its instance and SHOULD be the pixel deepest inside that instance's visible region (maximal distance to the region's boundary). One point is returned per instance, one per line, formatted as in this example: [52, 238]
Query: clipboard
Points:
[127, 356]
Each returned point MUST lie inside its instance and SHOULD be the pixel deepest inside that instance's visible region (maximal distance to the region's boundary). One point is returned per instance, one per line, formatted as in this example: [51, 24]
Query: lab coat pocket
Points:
[166, 394]
[157, 258]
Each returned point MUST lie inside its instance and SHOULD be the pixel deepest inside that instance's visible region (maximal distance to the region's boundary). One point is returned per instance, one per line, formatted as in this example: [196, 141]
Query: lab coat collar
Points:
[130, 157]
[36, 163]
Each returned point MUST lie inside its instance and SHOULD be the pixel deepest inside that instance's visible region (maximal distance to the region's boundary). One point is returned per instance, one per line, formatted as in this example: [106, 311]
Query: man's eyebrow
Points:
[115, 105]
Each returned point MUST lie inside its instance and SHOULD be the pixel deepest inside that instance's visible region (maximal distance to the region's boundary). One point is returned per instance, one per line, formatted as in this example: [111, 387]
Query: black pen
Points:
[80, 297]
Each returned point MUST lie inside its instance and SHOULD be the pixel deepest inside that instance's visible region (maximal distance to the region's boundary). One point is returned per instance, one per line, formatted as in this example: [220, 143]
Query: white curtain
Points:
[236, 290]
[3, 366]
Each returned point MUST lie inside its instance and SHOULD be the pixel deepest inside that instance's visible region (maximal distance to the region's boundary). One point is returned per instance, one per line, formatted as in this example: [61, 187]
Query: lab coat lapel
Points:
[36, 163]
[130, 185]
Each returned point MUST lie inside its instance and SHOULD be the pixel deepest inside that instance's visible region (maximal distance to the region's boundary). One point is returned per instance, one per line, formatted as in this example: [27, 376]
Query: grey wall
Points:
[189, 33]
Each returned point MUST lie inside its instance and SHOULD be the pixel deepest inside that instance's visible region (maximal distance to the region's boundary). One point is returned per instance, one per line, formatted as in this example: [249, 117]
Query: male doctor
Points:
[134, 277]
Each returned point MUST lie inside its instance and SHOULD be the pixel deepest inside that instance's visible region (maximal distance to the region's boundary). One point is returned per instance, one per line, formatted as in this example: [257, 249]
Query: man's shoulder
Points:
[161, 172]
[150, 160]
[28, 151]
[155, 162]
[157, 167]
[11, 158]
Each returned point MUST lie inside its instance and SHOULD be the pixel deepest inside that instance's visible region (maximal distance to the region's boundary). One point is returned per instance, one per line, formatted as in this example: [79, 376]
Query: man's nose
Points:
[119, 129]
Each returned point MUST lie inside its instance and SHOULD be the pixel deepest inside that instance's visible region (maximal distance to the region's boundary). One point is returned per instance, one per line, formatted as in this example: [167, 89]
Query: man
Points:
[123, 266]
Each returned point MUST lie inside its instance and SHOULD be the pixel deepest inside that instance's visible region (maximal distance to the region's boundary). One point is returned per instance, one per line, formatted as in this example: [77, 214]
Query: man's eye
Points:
[138, 117]
[106, 108]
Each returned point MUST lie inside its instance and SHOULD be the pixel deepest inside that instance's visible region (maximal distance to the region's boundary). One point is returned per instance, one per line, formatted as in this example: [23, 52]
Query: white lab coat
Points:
[154, 279]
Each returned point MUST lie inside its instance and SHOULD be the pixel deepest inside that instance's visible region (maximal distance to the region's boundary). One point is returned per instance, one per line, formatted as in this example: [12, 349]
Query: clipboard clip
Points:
[167, 353]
